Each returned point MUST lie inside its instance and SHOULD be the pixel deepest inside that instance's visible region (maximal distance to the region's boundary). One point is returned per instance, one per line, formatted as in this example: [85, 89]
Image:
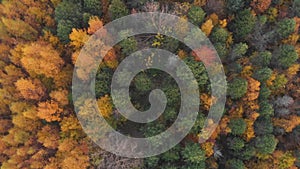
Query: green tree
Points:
[266, 144]
[237, 126]
[128, 46]
[263, 74]
[93, 6]
[235, 143]
[238, 51]
[196, 15]
[235, 5]
[219, 35]
[285, 28]
[237, 88]
[64, 28]
[285, 56]
[262, 59]
[142, 82]
[235, 164]
[265, 108]
[264, 93]
[263, 125]
[68, 10]
[192, 153]
[117, 9]
[243, 24]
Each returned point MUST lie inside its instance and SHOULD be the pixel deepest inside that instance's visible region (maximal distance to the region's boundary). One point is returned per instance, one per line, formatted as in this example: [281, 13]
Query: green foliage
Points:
[196, 15]
[279, 82]
[237, 126]
[93, 6]
[152, 162]
[266, 144]
[142, 82]
[238, 51]
[222, 50]
[265, 108]
[192, 153]
[199, 71]
[128, 46]
[199, 123]
[117, 9]
[296, 7]
[235, 5]
[263, 74]
[102, 83]
[285, 56]
[285, 28]
[264, 93]
[219, 35]
[237, 88]
[64, 28]
[235, 164]
[243, 24]
[247, 153]
[263, 125]
[235, 143]
[262, 59]
[69, 11]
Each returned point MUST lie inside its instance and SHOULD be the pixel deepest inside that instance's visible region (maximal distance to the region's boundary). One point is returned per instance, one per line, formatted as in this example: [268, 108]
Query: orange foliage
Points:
[110, 59]
[31, 89]
[260, 5]
[73, 154]
[253, 89]
[49, 111]
[41, 58]
[94, 24]
[61, 96]
[288, 124]
[207, 55]
[49, 136]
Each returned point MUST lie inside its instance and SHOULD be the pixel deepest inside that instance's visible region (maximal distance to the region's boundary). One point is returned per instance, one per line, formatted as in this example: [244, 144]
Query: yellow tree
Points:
[94, 24]
[78, 37]
[49, 136]
[31, 89]
[40, 58]
[49, 111]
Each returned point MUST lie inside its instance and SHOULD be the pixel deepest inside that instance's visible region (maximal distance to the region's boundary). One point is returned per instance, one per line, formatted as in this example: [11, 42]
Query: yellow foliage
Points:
[206, 101]
[215, 18]
[105, 106]
[182, 54]
[288, 124]
[61, 96]
[291, 40]
[208, 148]
[223, 23]
[31, 89]
[49, 111]
[247, 71]
[182, 27]
[293, 70]
[207, 27]
[78, 37]
[249, 133]
[200, 2]
[271, 79]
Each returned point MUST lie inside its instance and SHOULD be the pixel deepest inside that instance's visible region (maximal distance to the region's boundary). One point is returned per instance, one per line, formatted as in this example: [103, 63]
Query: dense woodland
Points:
[257, 41]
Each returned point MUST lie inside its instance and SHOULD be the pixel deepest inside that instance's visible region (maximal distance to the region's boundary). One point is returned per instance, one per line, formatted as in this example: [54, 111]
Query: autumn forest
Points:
[257, 42]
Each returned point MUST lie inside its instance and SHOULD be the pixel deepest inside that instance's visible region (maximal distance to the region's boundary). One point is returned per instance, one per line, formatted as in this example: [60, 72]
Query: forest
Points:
[257, 42]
